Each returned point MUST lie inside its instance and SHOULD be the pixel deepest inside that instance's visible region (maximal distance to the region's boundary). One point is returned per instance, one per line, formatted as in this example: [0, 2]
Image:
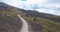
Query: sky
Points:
[46, 6]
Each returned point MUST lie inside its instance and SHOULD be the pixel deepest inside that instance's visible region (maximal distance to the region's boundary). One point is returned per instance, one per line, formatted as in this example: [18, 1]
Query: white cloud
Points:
[13, 2]
[41, 5]
[50, 5]
[0, 0]
[54, 1]
[19, 2]
[34, 1]
[49, 11]
[46, 11]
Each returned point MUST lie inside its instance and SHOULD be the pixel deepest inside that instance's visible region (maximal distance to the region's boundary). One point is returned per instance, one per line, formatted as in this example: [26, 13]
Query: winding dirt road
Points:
[25, 25]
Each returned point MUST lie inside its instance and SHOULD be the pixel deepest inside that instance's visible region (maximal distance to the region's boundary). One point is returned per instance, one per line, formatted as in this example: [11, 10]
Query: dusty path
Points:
[25, 25]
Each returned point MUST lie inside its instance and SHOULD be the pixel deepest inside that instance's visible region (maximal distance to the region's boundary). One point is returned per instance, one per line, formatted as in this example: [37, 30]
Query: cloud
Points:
[34, 1]
[0, 0]
[13, 2]
[49, 11]
[54, 1]
[46, 6]
[34, 4]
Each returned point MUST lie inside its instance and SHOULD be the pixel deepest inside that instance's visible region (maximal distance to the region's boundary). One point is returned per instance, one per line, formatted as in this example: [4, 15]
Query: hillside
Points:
[40, 22]
[9, 22]
[35, 13]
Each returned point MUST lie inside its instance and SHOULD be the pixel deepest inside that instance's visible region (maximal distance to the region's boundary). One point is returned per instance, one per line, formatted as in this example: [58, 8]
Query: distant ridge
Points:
[32, 13]
[4, 4]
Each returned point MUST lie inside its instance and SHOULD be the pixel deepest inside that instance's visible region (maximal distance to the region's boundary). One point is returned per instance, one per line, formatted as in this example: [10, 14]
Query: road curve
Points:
[25, 25]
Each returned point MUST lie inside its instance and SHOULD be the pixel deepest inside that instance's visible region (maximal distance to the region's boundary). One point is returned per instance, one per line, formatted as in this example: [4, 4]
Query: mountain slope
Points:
[40, 22]
[34, 13]
[9, 22]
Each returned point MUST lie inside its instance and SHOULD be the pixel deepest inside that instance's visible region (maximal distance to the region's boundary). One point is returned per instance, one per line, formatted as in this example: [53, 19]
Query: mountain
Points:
[9, 22]
[40, 22]
[34, 13]
[3, 4]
